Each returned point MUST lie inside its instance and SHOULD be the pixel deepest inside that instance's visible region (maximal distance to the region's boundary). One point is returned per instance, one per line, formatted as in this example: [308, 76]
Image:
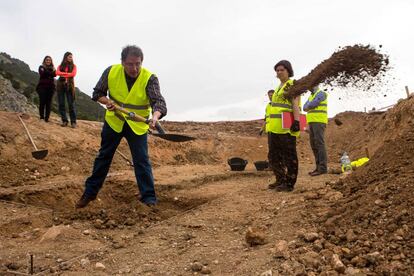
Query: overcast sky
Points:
[214, 59]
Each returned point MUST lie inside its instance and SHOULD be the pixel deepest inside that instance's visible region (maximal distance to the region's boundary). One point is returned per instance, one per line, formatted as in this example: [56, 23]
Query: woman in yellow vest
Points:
[136, 89]
[317, 117]
[282, 141]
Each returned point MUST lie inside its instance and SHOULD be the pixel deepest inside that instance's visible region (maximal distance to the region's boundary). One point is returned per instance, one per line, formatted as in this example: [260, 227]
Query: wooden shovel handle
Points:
[28, 133]
[139, 118]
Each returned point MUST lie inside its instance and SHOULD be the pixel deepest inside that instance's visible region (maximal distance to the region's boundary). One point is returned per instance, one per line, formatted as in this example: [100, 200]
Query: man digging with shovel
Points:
[136, 89]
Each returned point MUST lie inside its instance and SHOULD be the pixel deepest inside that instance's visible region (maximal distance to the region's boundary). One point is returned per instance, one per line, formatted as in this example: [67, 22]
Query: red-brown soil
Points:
[364, 219]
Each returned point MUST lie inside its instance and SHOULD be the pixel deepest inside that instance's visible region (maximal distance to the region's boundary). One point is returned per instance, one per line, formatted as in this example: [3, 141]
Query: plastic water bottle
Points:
[345, 162]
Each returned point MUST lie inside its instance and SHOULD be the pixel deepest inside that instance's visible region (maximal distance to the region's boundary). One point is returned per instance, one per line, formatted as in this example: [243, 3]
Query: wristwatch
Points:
[131, 114]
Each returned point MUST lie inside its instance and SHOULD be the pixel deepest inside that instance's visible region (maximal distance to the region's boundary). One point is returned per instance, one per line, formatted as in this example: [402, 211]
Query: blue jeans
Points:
[65, 91]
[142, 166]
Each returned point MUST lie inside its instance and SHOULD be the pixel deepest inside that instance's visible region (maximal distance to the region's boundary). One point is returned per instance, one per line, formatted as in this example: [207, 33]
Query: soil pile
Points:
[356, 65]
[370, 226]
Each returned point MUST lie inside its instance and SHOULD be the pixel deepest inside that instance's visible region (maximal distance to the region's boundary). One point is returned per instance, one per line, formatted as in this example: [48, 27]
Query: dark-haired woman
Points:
[46, 87]
[282, 141]
[66, 89]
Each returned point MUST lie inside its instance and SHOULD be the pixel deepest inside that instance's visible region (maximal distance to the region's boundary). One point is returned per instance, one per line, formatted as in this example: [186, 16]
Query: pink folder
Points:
[287, 120]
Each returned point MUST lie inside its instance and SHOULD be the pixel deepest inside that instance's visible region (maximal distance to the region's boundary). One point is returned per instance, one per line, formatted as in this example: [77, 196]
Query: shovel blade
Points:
[174, 137]
[39, 154]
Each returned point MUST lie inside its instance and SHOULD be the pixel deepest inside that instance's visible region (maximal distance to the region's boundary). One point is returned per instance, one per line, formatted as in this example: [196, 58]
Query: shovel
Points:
[37, 154]
[161, 132]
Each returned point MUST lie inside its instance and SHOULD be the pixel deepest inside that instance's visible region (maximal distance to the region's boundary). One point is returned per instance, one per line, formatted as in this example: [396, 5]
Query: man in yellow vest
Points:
[137, 89]
[265, 126]
[317, 117]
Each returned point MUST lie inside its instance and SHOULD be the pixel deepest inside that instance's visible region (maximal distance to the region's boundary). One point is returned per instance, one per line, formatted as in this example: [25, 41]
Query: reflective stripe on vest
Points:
[318, 114]
[279, 105]
[135, 100]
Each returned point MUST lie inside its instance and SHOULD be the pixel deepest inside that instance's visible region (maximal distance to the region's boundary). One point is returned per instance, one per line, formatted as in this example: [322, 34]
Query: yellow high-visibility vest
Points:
[318, 114]
[268, 106]
[135, 100]
[279, 105]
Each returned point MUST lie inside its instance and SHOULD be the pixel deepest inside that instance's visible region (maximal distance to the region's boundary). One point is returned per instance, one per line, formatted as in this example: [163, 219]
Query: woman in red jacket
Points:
[66, 89]
[46, 87]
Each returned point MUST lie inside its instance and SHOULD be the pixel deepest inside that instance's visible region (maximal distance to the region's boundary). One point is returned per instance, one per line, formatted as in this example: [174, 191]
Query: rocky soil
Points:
[210, 220]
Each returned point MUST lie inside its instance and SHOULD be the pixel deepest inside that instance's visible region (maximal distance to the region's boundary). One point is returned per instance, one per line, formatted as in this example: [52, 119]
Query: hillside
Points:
[353, 224]
[17, 79]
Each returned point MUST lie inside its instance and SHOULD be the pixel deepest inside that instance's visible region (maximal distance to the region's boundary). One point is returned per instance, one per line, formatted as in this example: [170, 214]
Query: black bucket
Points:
[261, 165]
[237, 164]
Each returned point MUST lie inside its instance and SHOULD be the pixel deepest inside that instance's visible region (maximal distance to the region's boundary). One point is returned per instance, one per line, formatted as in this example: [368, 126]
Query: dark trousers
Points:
[317, 141]
[142, 166]
[283, 158]
[64, 90]
[45, 101]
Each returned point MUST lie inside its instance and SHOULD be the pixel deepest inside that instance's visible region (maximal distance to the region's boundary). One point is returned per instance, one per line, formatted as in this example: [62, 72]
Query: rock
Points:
[216, 262]
[380, 203]
[205, 270]
[52, 233]
[317, 246]
[129, 222]
[99, 224]
[310, 237]
[281, 250]
[374, 257]
[65, 266]
[111, 223]
[310, 259]
[86, 232]
[255, 237]
[99, 266]
[84, 262]
[117, 244]
[196, 266]
[267, 273]
[292, 268]
[350, 235]
[352, 271]
[358, 262]
[337, 264]
[65, 168]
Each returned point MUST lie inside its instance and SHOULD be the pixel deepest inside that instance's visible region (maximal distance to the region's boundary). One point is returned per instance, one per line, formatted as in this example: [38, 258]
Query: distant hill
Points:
[24, 81]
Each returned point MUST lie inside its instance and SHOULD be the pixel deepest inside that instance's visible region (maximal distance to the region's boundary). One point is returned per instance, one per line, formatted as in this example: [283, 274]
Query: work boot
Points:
[316, 173]
[273, 185]
[84, 201]
[73, 125]
[284, 188]
[315, 170]
[63, 124]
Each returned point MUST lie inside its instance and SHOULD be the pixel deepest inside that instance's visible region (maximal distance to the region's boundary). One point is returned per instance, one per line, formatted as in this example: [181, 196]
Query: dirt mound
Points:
[370, 227]
[352, 65]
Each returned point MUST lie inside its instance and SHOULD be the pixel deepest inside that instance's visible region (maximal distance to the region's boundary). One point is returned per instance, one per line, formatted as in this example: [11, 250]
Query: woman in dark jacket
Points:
[46, 87]
[66, 89]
